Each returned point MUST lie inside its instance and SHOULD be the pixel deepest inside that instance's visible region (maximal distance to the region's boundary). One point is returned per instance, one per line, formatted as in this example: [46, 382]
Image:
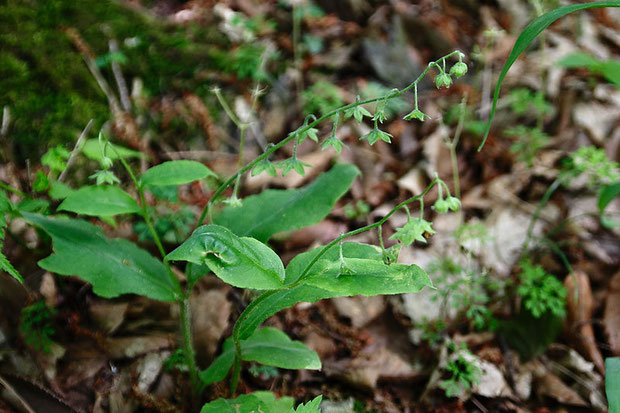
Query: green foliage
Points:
[175, 173]
[36, 326]
[376, 135]
[609, 69]
[541, 292]
[49, 89]
[55, 158]
[273, 211]
[356, 211]
[464, 373]
[259, 401]
[528, 335]
[172, 225]
[93, 150]
[524, 101]
[268, 346]
[606, 194]
[5, 265]
[113, 266]
[322, 97]
[416, 229]
[528, 142]
[527, 36]
[311, 407]
[612, 383]
[99, 200]
[594, 163]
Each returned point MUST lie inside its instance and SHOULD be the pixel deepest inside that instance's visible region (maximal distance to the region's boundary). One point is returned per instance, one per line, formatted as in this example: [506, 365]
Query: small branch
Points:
[76, 148]
[120, 80]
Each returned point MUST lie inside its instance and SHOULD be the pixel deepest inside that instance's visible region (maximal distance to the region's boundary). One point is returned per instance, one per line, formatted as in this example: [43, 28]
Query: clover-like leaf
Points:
[416, 114]
[413, 230]
[358, 112]
[376, 134]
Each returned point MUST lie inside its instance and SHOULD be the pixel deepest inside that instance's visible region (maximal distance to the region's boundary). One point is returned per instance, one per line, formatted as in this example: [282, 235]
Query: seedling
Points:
[541, 292]
[36, 326]
[463, 370]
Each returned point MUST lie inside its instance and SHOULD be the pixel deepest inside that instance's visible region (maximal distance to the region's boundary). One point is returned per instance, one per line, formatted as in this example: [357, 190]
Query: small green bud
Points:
[416, 114]
[449, 204]
[453, 203]
[443, 79]
[459, 69]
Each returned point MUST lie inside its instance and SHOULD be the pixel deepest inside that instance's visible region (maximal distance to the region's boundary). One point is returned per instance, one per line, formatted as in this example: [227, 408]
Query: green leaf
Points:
[270, 302]
[611, 71]
[368, 277]
[256, 402]
[113, 266]
[268, 346]
[606, 194]
[175, 173]
[320, 278]
[272, 347]
[220, 367]
[273, 211]
[612, 383]
[59, 190]
[92, 149]
[247, 403]
[358, 112]
[527, 36]
[99, 200]
[5, 265]
[528, 335]
[310, 407]
[578, 60]
[241, 262]
[349, 250]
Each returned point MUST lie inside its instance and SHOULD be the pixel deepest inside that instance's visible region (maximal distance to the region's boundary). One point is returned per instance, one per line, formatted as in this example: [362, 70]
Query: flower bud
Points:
[416, 114]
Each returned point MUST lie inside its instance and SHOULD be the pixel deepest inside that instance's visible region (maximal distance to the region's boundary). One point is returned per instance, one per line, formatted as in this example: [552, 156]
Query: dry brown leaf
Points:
[129, 347]
[108, 315]
[550, 385]
[360, 310]
[579, 308]
[210, 313]
[611, 317]
[373, 363]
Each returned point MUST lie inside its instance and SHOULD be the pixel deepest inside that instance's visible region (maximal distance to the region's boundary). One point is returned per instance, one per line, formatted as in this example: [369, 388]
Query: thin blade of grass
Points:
[527, 36]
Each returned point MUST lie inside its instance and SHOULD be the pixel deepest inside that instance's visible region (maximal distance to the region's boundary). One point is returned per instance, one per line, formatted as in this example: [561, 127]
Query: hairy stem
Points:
[188, 344]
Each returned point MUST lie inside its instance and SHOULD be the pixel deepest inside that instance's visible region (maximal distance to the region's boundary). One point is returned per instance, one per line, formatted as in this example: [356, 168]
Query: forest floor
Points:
[526, 305]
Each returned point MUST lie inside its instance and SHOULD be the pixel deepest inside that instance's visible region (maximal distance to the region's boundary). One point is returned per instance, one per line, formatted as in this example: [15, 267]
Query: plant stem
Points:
[284, 141]
[188, 345]
[183, 298]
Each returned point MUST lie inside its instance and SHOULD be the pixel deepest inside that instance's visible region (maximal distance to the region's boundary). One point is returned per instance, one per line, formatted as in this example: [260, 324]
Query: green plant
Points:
[528, 142]
[612, 383]
[609, 69]
[233, 246]
[463, 370]
[36, 326]
[541, 292]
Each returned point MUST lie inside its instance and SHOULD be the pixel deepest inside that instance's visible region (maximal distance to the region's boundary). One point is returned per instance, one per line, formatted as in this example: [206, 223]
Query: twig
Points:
[6, 120]
[23, 402]
[75, 150]
[120, 80]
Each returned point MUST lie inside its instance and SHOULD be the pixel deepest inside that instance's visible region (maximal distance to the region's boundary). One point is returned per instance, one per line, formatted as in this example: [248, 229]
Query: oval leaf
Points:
[527, 36]
[268, 346]
[99, 200]
[272, 347]
[92, 149]
[175, 173]
[276, 210]
[113, 266]
[241, 262]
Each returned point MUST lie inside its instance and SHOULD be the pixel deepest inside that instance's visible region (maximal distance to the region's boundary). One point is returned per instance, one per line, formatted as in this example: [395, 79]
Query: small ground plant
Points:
[233, 245]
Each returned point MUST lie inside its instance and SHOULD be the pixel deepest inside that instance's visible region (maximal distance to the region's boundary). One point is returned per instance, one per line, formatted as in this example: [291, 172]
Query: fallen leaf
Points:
[579, 309]
[611, 317]
[550, 385]
[360, 310]
[210, 313]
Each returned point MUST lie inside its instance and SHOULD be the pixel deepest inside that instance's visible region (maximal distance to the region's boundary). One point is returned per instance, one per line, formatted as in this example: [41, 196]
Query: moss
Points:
[43, 78]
